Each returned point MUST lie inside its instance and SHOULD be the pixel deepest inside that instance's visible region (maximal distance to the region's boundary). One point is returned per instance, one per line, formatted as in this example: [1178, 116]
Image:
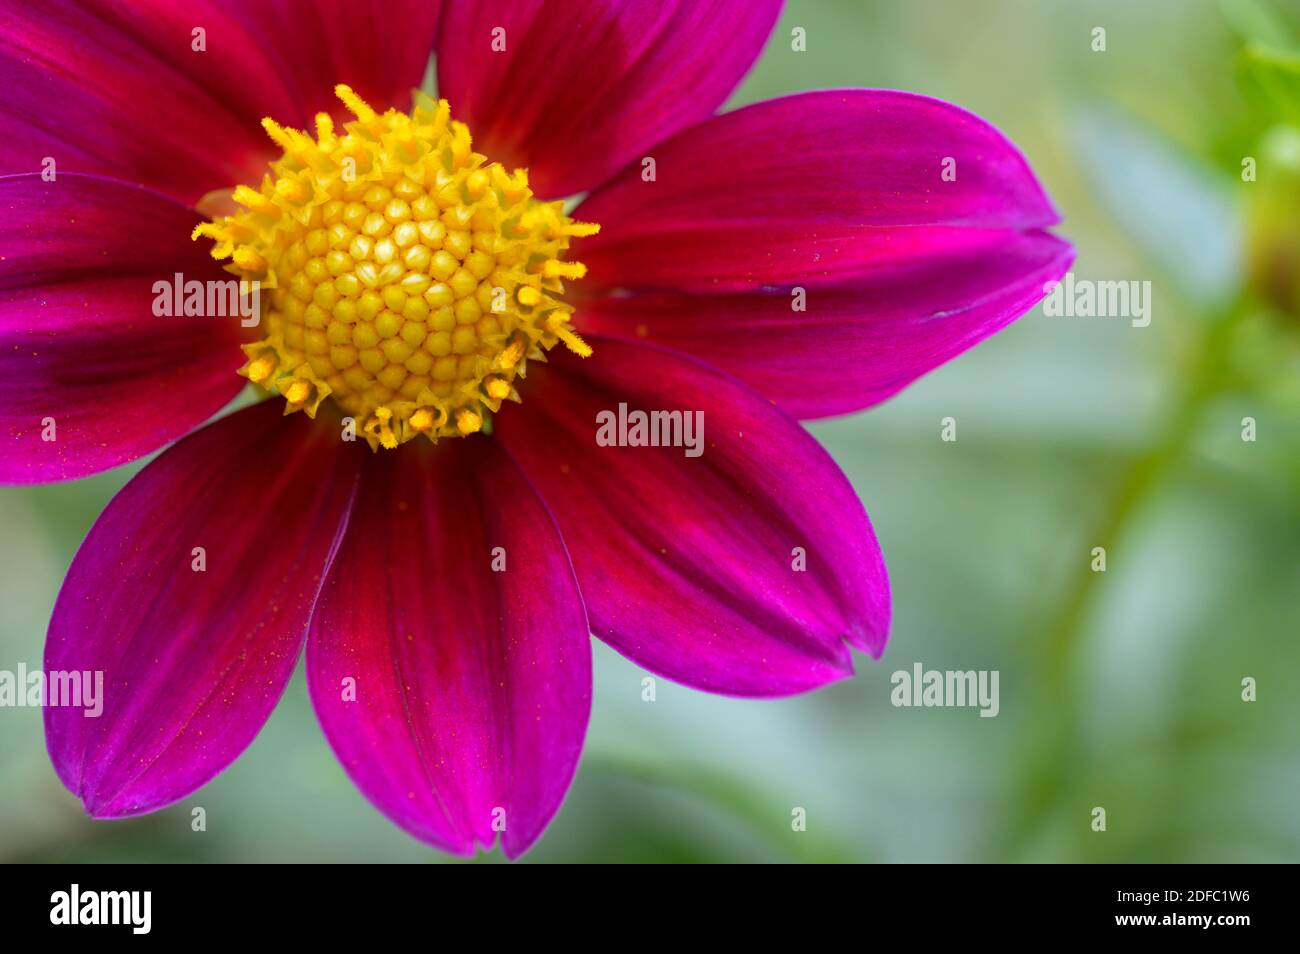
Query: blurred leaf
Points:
[1176, 209]
[1253, 20]
[763, 815]
[1272, 76]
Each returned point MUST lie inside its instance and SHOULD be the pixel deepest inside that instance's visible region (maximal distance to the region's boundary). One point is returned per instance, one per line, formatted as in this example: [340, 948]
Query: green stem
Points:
[1056, 752]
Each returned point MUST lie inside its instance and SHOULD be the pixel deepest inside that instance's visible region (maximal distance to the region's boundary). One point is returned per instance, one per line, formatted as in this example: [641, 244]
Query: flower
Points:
[799, 258]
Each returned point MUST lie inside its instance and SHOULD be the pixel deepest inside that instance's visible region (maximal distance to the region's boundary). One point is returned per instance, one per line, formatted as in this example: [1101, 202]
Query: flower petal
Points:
[810, 189]
[830, 350]
[194, 661]
[456, 697]
[380, 48]
[584, 86]
[741, 570]
[123, 90]
[79, 341]
[120, 91]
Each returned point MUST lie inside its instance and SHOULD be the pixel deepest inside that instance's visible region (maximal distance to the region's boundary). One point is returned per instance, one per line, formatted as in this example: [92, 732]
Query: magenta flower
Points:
[799, 258]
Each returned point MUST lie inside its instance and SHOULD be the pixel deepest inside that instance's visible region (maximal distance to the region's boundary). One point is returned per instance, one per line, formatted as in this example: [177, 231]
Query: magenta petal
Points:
[855, 342]
[380, 48]
[79, 343]
[742, 570]
[452, 678]
[193, 662]
[810, 189]
[119, 90]
[584, 86]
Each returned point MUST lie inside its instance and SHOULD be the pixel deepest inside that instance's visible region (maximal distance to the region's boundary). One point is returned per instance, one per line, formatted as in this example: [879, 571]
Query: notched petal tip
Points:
[193, 661]
[478, 680]
[686, 563]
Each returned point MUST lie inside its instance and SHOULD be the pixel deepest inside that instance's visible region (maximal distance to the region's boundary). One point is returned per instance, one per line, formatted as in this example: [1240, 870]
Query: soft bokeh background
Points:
[1120, 690]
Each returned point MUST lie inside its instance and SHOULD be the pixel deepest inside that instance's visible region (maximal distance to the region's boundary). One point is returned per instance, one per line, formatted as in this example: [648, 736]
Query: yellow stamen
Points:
[254, 201]
[378, 431]
[298, 392]
[581, 229]
[249, 261]
[279, 135]
[421, 420]
[260, 369]
[324, 128]
[406, 274]
[355, 104]
[498, 388]
[573, 342]
[511, 356]
[467, 421]
[292, 191]
[476, 182]
[557, 269]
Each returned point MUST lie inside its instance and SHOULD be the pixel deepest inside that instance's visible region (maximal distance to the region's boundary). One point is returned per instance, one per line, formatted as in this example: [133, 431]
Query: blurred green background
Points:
[1120, 690]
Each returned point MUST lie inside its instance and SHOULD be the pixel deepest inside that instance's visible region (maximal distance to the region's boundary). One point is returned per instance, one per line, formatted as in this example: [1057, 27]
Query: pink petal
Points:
[584, 86]
[119, 89]
[810, 189]
[689, 565]
[380, 48]
[471, 687]
[79, 341]
[193, 662]
[859, 341]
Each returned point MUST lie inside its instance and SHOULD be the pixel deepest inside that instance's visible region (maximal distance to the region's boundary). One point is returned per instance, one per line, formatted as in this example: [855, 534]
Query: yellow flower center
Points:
[406, 278]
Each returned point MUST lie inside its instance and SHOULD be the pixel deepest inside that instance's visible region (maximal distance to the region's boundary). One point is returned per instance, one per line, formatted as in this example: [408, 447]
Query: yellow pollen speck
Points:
[297, 392]
[260, 369]
[556, 269]
[248, 260]
[407, 278]
[467, 422]
[421, 420]
[498, 388]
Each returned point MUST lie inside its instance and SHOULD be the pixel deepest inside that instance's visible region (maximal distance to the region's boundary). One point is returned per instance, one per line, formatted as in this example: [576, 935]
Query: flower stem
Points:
[1056, 751]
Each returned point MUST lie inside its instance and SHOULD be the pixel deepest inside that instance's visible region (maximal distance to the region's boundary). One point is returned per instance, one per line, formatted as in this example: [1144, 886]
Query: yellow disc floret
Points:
[407, 279]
